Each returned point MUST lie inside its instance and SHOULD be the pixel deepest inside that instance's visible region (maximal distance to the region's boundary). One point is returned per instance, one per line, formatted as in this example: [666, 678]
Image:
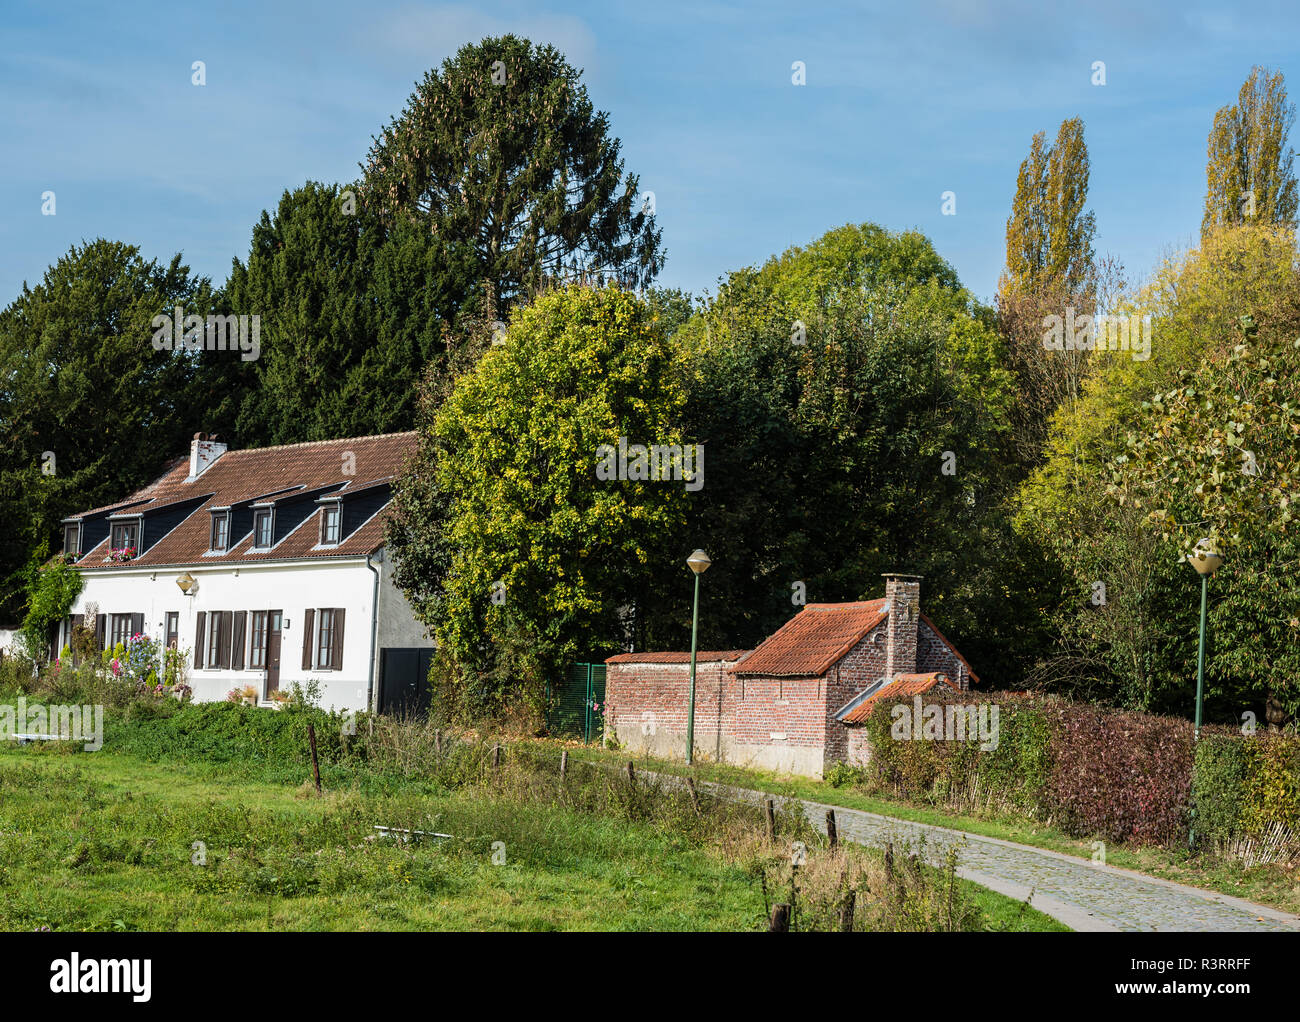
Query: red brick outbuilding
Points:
[789, 704]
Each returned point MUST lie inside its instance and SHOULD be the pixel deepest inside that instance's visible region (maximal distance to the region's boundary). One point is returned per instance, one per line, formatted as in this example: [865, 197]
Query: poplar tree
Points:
[1051, 266]
[1250, 170]
[1049, 232]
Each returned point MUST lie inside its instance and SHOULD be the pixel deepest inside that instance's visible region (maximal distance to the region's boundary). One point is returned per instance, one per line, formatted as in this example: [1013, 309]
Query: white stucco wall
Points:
[291, 587]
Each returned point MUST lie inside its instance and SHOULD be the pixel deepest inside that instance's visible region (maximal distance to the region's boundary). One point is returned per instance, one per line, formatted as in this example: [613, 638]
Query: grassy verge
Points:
[134, 837]
[1266, 885]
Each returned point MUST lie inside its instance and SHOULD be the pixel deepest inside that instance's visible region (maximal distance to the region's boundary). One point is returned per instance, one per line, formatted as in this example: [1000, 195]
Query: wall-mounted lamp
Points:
[187, 583]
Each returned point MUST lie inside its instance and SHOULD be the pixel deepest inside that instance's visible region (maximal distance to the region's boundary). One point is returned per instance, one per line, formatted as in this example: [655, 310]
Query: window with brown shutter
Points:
[213, 659]
[336, 655]
[325, 639]
[237, 641]
[101, 624]
[257, 645]
[137, 624]
[223, 645]
[198, 639]
[308, 632]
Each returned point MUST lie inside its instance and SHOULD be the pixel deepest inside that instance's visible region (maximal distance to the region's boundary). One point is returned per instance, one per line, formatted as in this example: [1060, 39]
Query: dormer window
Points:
[220, 531]
[329, 525]
[262, 529]
[72, 539]
[126, 536]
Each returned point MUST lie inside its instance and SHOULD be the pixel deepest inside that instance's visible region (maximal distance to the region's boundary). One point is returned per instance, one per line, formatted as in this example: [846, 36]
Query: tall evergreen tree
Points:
[90, 409]
[503, 149]
[351, 313]
[1250, 170]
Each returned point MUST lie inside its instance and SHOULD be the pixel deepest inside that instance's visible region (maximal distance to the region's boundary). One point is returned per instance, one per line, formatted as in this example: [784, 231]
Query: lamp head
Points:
[1205, 557]
[699, 562]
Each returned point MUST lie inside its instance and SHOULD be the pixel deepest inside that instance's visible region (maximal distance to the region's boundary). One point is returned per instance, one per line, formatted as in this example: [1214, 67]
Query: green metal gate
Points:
[576, 707]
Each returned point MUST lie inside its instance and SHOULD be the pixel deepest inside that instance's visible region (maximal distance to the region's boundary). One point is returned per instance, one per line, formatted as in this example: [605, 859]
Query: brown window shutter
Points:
[223, 642]
[237, 643]
[78, 621]
[198, 639]
[336, 654]
[100, 624]
[137, 624]
[308, 620]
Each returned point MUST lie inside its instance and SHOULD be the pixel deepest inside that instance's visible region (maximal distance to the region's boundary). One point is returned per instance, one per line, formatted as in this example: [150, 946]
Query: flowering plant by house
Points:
[141, 657]
[118, 554]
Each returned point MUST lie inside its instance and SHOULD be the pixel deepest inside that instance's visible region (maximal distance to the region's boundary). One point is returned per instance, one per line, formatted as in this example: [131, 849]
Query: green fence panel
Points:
[575, 707]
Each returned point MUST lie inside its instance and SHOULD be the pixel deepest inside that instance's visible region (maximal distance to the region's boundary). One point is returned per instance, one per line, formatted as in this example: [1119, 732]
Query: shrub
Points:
[1121, 775]
[1009, 777]
[1247, 794]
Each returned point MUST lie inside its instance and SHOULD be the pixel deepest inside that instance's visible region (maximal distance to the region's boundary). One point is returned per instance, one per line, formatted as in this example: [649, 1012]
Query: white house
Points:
[266, 567]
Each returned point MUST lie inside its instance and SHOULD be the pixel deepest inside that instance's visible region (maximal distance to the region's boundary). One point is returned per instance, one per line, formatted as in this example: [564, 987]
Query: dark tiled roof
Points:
[274, 473]
[904, 686]
[812, 641]
[701, 657]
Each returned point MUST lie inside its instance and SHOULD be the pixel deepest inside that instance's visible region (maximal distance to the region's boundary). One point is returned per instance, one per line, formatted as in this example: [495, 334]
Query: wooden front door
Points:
[272, 652]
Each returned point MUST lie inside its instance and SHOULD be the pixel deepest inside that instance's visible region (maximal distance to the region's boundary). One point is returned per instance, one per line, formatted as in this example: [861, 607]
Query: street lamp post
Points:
[699, 563]
[1205, 558]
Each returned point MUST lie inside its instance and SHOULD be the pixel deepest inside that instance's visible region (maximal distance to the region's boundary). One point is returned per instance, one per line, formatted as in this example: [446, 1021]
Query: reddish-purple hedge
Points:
[1124, 776]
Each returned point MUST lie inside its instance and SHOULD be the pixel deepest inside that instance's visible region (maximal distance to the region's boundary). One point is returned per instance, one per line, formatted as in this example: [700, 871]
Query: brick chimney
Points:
[204, 451]
[903, 595]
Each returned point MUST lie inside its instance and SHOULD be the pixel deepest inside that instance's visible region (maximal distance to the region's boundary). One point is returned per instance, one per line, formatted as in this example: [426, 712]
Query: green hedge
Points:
[1246, 785]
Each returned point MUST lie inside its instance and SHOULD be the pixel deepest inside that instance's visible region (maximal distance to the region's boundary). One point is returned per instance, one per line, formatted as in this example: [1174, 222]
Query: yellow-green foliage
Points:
[518, 441]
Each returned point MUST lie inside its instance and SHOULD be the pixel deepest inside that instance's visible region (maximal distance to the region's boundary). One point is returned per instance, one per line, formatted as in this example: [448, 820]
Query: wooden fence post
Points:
[631, 774]
[315, 765]
[695, 798]
[496, 756]
[770, 807]
[780, 922]
[846, 912]
[832, 834]
[564, 764]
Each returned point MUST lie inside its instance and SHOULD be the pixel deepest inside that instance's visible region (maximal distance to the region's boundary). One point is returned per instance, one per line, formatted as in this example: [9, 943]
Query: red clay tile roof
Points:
[814, 639]
[676, 658]
[905, 686]
[270, 472]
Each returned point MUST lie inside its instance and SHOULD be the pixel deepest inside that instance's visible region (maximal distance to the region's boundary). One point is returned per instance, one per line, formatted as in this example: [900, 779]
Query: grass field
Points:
[107, 840]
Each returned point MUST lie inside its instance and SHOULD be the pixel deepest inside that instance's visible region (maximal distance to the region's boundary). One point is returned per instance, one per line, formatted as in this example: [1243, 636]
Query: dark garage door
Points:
[404, 681]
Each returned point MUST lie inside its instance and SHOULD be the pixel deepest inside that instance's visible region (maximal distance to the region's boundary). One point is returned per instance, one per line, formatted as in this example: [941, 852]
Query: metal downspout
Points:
[374, 632]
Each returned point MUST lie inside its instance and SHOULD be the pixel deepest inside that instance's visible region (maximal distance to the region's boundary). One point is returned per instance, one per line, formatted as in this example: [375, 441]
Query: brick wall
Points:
[858, 750]
[737, 720]
[781, 711]
[934, 655]
[650, 701]
[863, 665]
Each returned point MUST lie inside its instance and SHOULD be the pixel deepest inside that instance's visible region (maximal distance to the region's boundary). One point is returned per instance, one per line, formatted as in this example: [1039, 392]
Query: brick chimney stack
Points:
[204, 451]
[903, 594]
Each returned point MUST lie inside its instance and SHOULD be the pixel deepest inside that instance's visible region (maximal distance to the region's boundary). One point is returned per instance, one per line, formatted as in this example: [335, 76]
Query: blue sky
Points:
[903, 102]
